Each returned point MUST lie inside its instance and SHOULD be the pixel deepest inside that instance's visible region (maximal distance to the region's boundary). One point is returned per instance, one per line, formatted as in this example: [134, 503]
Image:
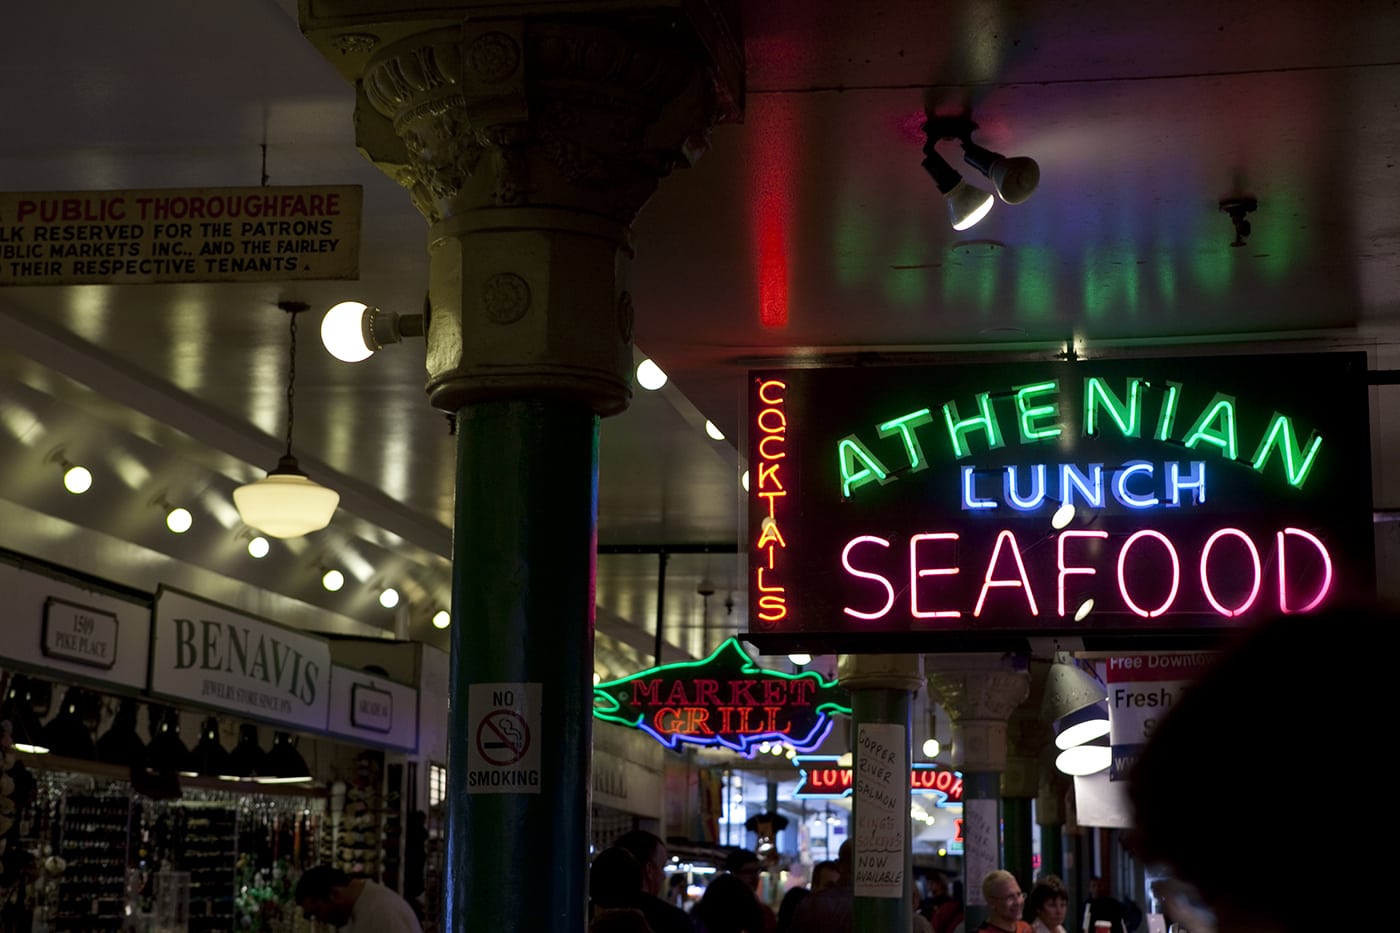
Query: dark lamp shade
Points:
[211, 758]
[66, 735]
[167, 752]
[25, 730]
[120, 745]
[247, 760]
[284, 762]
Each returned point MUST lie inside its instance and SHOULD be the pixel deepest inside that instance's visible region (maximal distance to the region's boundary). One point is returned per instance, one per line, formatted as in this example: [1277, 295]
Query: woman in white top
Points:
[1047, 905]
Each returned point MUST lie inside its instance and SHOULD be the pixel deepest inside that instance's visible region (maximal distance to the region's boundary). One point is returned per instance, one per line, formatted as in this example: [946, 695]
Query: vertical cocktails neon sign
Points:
[1205, 492]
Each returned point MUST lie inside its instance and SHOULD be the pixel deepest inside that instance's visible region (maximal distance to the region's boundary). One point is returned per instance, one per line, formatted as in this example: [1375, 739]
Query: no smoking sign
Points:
[503, 754]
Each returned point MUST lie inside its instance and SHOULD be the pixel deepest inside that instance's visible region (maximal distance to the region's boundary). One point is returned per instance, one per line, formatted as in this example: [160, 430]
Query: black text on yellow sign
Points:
[179, 235]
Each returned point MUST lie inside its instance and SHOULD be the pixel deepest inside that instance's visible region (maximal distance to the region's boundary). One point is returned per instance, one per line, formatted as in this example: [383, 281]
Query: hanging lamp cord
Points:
[291, 381]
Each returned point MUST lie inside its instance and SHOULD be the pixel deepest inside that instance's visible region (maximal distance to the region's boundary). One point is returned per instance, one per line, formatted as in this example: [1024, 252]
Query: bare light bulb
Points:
[650, 376]
[77, 480]
[442, 619]
[713, 430]
[389, 598]
[179, 520]
[258, 547]
[342, 332]
[333, 580]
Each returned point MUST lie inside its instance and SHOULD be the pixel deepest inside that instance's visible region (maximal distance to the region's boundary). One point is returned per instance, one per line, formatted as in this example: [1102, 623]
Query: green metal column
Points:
[526, 517]
[882, 689]
[1052, 858]
[1017, 839]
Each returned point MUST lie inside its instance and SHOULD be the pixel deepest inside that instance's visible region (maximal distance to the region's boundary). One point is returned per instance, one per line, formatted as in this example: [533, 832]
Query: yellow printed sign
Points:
[179, 235]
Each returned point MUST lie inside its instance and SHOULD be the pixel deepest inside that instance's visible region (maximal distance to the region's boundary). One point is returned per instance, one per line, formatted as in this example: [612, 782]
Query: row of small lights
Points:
[77, 479]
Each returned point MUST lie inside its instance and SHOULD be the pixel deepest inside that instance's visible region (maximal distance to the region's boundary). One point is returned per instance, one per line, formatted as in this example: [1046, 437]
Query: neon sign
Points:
[896, 501]
[821, 776]
[726, 700]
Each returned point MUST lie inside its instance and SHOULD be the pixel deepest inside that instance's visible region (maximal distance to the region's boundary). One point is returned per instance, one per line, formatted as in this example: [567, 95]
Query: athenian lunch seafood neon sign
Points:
[904, 499]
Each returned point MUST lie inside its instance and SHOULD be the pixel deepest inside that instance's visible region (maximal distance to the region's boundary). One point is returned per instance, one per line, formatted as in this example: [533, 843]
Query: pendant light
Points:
[286, 503]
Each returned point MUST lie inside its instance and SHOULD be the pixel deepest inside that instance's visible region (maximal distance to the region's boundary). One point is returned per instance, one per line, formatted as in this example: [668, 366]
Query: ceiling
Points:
[807, 234]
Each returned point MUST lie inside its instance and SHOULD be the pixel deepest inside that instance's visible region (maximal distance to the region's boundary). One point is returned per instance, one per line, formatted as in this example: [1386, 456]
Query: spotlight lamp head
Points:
[966, 205]
[1015, 178]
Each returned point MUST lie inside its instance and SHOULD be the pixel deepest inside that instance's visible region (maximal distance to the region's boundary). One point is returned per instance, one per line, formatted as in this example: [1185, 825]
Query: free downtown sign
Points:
[724, 700]
[954, 507]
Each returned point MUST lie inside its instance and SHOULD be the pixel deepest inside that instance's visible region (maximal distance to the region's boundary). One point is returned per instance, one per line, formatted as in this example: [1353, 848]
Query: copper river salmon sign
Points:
[160, 235]
[726, 700]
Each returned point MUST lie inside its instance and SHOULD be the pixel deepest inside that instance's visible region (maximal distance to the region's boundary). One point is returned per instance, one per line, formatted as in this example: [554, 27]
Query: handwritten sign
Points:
[981, 843]
[881, 809]
[251, 234]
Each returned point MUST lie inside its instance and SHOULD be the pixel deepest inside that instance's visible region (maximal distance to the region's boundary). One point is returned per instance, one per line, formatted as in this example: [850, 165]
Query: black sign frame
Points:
[813, 490]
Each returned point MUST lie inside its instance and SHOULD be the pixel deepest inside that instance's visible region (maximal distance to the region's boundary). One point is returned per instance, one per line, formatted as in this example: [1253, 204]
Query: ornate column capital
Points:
[979, 693]
[529, 139]
[881, 672]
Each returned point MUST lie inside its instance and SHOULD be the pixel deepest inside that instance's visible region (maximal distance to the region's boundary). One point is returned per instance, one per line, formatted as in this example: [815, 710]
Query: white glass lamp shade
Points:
[1082, 726]
[1083, 760]
[286, 505]
[342, 332]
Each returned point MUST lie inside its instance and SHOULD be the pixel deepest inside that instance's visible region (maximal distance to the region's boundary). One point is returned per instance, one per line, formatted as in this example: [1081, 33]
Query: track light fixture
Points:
[353, 331]
[1015, 178]
[1238, 210]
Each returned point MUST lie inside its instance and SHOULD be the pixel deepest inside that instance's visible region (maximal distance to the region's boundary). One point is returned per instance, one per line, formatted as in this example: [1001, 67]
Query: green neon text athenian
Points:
[1126, 413]
[1297, 463]
[1030, 413]
[1216, 426]
[858, 465]
[986, 421]
[904, 426]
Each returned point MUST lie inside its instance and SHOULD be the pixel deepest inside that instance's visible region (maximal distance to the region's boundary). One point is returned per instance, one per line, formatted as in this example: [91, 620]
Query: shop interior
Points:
[119, 813]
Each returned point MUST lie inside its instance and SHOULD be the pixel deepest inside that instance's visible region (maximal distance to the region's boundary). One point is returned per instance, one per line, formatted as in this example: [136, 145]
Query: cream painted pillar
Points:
[528, 135]
[980, 693]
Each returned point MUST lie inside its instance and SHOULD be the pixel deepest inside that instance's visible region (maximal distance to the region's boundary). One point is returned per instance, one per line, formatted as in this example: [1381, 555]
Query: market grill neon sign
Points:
[934, 515]
[725, 699]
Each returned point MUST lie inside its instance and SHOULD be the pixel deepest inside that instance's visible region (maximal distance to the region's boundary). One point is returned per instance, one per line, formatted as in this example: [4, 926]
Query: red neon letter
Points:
[1066, 570]
[915, 573]
[1023, 581]
[867, 575]
[1205, 577]
[1122, 577]
[1283, 576]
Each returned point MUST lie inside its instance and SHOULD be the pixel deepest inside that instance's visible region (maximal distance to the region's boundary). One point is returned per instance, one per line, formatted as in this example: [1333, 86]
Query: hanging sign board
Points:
[726, 700]
[373, 710]
[881, 809]
[1141, 690]
[214, 656]
[256, 234]
[953, 507]
[823, 777]
[60, 623]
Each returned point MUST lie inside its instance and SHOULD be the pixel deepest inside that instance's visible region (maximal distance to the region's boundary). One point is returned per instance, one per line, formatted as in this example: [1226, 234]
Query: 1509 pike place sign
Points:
[1113, 496]
[214, 656]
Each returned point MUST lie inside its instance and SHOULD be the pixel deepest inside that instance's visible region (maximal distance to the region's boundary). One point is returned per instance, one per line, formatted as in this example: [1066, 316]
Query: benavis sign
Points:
[957, 504]
[217, 657]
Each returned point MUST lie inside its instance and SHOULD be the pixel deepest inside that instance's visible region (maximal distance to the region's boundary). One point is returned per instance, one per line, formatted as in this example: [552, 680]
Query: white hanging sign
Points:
[373, 710]
[218, 657]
